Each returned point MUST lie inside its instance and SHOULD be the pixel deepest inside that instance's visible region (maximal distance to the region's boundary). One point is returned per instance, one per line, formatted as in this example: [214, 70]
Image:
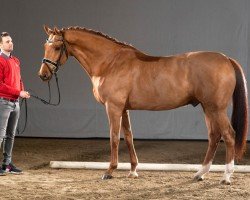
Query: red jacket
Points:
[10, 77]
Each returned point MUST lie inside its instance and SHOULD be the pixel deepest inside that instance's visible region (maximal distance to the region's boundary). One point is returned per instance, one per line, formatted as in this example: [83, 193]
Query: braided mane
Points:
[97, 33]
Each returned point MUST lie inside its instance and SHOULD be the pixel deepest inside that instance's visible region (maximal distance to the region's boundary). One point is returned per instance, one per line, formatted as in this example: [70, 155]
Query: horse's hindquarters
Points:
[213, 80]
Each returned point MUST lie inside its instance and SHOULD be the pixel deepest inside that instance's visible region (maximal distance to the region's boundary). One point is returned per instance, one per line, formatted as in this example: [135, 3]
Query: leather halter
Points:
[54, 66]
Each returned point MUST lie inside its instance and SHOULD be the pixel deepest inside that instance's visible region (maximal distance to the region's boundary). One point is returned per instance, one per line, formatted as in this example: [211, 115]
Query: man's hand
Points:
[24, 94]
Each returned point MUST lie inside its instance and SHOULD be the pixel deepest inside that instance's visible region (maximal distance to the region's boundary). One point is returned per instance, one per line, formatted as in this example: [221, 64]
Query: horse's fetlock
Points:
[114, 166]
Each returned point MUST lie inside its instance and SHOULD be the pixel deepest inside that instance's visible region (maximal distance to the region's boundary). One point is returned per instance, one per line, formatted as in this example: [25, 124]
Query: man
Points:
[11, 88]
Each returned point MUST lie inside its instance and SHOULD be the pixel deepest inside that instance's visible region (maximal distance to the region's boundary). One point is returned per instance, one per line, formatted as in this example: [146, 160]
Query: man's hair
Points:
[3, 34]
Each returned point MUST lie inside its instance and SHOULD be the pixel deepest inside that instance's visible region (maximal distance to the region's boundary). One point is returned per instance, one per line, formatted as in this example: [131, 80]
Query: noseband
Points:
[54, 66]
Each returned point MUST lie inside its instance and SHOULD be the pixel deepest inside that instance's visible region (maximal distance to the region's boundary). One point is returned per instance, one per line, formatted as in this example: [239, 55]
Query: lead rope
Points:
[42, 100]
[48, 102]
[26, 116]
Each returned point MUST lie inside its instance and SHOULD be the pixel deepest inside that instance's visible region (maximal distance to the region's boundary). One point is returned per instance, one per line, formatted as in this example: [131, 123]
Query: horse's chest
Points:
[97, 82]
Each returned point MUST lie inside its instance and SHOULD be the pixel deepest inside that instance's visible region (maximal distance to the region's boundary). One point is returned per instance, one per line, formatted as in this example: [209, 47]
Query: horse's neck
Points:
[94, 53]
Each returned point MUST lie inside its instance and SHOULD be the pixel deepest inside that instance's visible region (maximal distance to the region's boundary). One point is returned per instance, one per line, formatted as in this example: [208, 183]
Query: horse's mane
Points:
[97, 33]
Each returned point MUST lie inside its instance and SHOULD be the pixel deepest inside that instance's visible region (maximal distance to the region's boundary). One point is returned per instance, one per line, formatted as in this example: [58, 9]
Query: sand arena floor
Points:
[41, 182]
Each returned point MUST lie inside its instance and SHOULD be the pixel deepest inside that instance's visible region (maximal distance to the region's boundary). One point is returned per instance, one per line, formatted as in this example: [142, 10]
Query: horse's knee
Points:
[115, 141]
[114, 144]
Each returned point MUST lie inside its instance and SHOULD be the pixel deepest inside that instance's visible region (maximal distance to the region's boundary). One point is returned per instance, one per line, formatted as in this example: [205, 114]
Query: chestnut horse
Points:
[126, 79]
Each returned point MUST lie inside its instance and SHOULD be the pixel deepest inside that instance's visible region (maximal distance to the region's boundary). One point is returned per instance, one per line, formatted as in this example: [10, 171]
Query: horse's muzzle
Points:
[44, 73]
[44, 77]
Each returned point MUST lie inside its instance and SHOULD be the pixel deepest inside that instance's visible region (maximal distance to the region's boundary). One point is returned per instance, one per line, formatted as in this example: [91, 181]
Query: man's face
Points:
[6, 44]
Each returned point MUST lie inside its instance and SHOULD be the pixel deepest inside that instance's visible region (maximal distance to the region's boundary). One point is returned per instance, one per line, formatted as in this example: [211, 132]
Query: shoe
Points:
[2, 172]
[11, 168]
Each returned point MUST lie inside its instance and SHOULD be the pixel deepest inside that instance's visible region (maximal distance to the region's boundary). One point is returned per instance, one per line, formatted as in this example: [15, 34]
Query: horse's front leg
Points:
[128, 136]
[114, 115]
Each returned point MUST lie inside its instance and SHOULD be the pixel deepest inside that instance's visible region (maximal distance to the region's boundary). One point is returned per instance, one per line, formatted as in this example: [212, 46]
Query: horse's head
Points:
[55, 53]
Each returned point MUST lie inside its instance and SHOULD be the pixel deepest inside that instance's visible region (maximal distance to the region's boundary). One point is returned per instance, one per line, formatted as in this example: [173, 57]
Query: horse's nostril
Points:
[44, 77]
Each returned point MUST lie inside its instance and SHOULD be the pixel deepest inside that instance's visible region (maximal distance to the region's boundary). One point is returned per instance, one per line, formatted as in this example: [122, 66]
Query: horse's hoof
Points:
[198, 178]
[133, 174]
[106, 176]
[225, 182]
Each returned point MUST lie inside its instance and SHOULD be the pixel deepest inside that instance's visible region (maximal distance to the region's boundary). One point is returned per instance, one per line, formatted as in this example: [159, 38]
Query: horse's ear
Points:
[47, 30]
[57, 31]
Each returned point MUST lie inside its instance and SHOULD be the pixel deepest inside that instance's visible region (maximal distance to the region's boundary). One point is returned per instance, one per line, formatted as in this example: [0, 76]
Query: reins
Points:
[42, 100]
[49, 101]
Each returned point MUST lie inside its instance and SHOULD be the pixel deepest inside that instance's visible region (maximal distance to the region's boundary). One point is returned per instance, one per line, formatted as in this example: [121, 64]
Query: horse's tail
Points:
[239, 118]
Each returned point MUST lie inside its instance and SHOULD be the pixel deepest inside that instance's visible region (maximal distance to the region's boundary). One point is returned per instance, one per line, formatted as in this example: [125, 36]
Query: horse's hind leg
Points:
[229, 138]
[214, 137]
[128, 136]
[218, 126]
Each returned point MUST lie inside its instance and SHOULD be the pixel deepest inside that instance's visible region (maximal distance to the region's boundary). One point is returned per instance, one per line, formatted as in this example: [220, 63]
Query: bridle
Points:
[54, 66]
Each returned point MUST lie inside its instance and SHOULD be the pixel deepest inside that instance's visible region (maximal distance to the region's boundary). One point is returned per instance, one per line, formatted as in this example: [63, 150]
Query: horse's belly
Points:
[152, 103]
